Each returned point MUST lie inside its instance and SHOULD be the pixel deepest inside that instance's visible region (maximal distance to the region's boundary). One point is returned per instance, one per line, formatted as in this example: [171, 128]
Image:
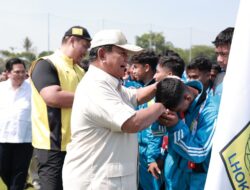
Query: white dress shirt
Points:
[100, 155]
[15, 113]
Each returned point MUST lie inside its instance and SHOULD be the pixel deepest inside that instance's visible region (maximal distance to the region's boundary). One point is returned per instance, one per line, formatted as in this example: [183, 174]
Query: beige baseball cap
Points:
[113, 37]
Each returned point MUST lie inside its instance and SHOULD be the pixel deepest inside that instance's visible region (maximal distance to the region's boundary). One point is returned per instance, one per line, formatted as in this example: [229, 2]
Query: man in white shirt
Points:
[103, 150]
[15, 126]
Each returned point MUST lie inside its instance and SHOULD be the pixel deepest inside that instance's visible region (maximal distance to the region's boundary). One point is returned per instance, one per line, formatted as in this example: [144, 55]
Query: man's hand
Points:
[154, 170]
[169, 118]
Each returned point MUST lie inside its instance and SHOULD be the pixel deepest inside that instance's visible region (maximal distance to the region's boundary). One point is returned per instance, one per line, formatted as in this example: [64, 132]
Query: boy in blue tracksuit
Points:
[129, 80]
[222, 44]
[199, 69]
[190, 132]
[169, 65]
[144, 65]
[129, 83]
[148, 153]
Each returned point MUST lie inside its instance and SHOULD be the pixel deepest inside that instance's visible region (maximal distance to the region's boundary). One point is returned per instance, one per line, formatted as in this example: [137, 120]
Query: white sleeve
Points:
[113, 107]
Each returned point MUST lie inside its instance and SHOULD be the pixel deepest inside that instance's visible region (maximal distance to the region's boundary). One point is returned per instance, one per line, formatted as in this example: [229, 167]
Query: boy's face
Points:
[196, 74]
[213, 74]
[184, 103]
[222, 53]
[161, 73]
[139, 71]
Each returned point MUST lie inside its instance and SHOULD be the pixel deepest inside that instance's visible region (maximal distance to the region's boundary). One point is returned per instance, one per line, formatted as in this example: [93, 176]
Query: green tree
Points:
[2, 65]
[203, 50]
[4, 55]
[197, 50]
[152, 41]
[7, 54]
[27, 44]
[156, 41]
[28, 57]
[45, 53]
[184, 53]
[169, 45]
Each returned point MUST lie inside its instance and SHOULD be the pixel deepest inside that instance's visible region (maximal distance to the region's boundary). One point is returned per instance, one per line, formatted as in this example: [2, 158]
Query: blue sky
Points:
[183, 22]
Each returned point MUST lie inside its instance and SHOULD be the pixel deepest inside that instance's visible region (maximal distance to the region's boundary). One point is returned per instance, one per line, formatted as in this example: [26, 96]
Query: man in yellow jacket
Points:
[54, 79]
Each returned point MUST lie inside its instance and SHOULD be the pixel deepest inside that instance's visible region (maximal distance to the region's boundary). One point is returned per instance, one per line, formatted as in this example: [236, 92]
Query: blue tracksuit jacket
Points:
[218, 87]
[190, 142]
[129, 83]
[148, 152]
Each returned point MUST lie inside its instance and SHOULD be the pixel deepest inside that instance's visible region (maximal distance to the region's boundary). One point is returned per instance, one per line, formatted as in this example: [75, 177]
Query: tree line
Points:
[152, 41]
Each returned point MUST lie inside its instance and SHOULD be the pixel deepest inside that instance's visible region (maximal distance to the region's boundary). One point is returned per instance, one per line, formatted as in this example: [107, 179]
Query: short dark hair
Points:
[66, 38]
[13, 61]
[224, 37]
[174, 63]
[201, 63]
[84, 64]
[93, 51]
[170, 52]
[170, 92]
[216, 66]
[146, 57]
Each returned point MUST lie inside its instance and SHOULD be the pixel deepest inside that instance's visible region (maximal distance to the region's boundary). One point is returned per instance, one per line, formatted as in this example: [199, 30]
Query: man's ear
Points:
[8, 73]
[170, 73]
[101, 53]
[147, 67]
[71, 40]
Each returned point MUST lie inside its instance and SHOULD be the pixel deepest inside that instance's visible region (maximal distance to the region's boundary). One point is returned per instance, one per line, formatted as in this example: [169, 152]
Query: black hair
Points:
[13, 61]
[66, 38]
[84, 64]
[201, 63]
[146, 57]
[170, 52]
[216, 66]
[224, 37]
[170, 92]
[174, 63]
[93, 51]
